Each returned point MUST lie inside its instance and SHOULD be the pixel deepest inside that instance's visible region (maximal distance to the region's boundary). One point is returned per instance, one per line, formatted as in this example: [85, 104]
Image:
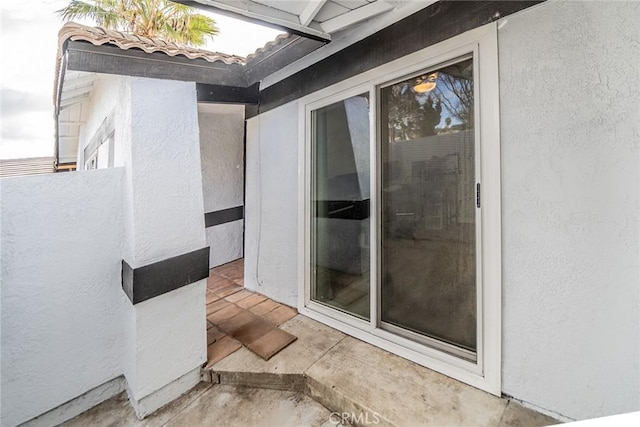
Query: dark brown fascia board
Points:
[84, 56]
[279, 56]
[228, 94]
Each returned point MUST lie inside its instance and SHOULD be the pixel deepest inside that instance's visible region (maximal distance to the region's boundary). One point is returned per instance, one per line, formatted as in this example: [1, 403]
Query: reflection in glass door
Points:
[428, 215]
[340, 151]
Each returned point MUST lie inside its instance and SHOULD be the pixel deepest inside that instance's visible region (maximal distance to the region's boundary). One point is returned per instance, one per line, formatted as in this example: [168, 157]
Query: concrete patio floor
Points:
[347, 375]
[209, 405]
[323, 372]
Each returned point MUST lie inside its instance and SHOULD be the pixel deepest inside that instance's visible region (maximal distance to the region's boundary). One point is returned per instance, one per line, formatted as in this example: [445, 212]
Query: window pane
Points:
[340, 205]
[428, 206]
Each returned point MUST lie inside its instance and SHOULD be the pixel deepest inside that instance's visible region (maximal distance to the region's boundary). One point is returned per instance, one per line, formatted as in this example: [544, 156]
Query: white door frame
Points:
[485, 372]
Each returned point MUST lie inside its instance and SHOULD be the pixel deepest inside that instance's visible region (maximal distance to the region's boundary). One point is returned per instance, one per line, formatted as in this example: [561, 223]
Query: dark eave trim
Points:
[228, 94]
[433, 24]
[84, 56]
[286, 53]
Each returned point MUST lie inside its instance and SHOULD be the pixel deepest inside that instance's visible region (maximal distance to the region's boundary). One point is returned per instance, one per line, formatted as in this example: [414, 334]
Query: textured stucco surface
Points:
[225, 242]
[570, 117]
[222, 162]
[67, 327]
[167, 339]
[62, 302]
[164, 337]
[271, 224]
[164, 170]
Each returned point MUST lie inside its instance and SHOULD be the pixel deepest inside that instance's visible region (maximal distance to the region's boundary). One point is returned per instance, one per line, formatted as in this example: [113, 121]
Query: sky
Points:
[28, 47]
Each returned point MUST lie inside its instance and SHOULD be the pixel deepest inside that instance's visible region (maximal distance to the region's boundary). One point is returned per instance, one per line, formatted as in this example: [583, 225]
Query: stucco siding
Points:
[570, 118]
[271, 228]
[62, 302]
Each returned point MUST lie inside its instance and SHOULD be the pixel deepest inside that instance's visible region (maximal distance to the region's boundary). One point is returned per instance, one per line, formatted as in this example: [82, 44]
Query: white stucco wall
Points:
[570, 117]
[164, 337]
[62, 301]
[222, 159]
[570, 123]
[67, 326]
[271, 211]
[163, 170]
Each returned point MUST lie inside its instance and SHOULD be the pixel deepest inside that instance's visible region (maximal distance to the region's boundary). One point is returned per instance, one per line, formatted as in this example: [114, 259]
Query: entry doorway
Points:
[222, 153]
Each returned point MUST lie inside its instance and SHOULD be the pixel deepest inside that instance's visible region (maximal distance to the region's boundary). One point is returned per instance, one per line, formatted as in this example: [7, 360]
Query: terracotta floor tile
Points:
[251, 301]
[217, 306]
[215, 282]
[233, 270]
[211, 337]
[271, 343]
[224, 314]
[280, 315]
[221, 349]
[227, 290]
[213, 334]
[253, 330]
[211, 297]
[231, 325]
[239, 296]
[264, 307]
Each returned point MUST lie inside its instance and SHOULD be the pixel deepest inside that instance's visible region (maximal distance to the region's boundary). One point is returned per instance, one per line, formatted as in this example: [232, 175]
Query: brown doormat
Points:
[271, 343]
[258, 335]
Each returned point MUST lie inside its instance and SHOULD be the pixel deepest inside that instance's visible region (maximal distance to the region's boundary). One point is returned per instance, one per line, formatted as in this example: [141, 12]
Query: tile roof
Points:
[281, 39]
[100, 36]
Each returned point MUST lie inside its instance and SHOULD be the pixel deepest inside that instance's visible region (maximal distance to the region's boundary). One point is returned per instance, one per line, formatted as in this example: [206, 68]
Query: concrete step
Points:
[368, 385]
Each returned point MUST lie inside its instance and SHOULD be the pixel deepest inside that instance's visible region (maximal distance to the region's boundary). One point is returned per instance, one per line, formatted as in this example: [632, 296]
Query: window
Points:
[101, 156]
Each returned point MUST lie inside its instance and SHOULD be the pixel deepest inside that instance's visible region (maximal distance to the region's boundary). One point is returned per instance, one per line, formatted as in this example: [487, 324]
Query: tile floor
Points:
[237, 317]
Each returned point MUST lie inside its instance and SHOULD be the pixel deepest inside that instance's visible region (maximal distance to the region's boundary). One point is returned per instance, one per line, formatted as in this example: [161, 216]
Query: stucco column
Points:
[165, 260]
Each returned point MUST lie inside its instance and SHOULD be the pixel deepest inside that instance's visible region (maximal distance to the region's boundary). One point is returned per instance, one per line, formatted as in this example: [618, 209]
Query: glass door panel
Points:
[428, 207]
[340, 152]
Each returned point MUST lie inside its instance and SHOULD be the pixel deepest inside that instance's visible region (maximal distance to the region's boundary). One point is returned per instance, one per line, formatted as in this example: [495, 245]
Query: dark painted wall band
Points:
[150, 281]
[435, 23]
[223, 216]
[227, 94]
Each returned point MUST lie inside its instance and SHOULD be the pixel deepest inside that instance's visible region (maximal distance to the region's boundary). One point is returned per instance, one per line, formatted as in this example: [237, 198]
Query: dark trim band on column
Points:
[150, 281]
[223, 216]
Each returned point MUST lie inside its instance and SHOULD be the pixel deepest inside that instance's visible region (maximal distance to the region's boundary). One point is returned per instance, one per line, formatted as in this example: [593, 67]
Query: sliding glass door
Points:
[401, 220]
[408, 266]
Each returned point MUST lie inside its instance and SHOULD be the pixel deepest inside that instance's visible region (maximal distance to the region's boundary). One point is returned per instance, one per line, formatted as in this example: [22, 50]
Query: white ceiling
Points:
[315, 18]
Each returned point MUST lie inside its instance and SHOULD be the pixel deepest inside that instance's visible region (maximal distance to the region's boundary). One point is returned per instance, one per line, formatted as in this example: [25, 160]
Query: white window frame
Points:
[485, 372]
